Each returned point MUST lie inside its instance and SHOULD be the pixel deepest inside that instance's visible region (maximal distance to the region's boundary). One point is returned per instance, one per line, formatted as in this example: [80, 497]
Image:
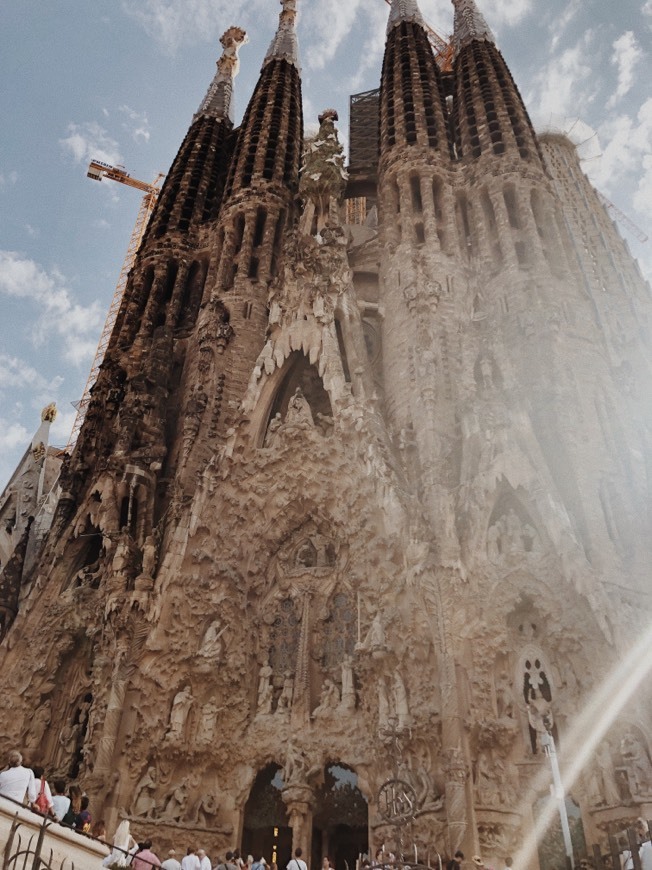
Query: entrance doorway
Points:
[340, 820]
[266, 831]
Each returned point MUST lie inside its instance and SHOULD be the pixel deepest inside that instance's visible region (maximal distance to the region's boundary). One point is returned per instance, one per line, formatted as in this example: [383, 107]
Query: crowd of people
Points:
[69, 807]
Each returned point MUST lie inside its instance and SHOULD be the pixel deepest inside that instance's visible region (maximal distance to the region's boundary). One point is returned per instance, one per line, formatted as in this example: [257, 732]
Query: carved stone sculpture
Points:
[144, 794]
[637, 764]
[265, 689]
[181, 705]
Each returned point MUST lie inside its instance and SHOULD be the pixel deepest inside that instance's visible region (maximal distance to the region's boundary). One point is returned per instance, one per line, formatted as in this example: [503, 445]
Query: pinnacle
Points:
[284, 45]
[218, 102]
[404, 10]
[469, 24]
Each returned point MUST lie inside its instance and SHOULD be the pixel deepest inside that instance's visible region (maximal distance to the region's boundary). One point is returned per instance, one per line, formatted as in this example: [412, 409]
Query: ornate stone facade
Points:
[341, 483]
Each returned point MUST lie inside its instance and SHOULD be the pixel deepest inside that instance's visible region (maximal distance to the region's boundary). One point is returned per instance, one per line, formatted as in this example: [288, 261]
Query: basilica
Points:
[357, 526]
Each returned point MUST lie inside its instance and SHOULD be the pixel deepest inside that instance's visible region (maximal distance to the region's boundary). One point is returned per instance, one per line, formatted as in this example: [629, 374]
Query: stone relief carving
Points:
[181, 706]
[329, 701]
[510, 537]
[636, 762]
[144, 803]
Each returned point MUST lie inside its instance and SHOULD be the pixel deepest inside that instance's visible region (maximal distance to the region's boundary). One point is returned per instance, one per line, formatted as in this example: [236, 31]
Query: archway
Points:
[265, 830]
[340, 826]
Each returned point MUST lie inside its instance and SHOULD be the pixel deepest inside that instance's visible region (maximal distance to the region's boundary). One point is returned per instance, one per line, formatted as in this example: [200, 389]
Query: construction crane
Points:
[97, 170]
[444, 49]
[622, 218]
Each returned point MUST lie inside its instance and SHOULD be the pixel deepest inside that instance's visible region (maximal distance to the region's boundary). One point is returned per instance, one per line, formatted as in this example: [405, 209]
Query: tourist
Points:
[645, 848]
[190, 861]
[325, 864]
[75, 795]
[43, 801]
[83, 819]
[204, 860]
[456, 861]
[145, 859]
[297, 863]
[60, 800]
[237, 860]
[99, 831]
[259, 863]
[16, 781]
[123, 843]
[229, 863]
[508, 863]
[171, 862]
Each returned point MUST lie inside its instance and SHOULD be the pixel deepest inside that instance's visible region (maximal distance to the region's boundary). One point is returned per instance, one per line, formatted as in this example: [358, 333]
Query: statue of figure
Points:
[539, 714]
[637, 765]
[207, 809]
[175, 802]
[493, 543]
[416, 554]
[207, 723]
[272, 430]
[298, 413]
[486, 372]
[40, 721]
[383, 704]
[401, 702]
[287, 692]
[181, 705]
[294, 770]
[330, 699]
[513, 532]
[375, 639]
[265, 689]
[504, 697]
[144, 800]
[531, 539]
[149, 557]
[212, 646]
[348, 686]
[484, 781]
[607, 775]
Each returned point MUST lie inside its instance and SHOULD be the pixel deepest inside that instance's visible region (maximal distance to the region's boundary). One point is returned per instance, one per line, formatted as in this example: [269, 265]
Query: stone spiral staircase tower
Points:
[340, 485]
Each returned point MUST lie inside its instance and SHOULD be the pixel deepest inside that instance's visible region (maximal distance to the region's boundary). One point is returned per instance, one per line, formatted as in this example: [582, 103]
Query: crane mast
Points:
[97, 170]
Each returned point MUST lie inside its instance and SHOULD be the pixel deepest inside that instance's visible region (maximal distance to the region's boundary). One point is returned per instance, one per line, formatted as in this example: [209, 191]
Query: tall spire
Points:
[218, 102]
[284, 45]
[404, 10]
[469, 24]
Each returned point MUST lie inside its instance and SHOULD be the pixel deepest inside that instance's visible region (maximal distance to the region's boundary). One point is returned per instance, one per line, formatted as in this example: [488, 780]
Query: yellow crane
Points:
[97, 170]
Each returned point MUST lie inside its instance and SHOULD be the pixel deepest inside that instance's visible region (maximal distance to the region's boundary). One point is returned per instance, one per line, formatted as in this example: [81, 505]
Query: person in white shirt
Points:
[16, 781]
[191, 861]
[171, 862]
[297, 863]
[204, 860]
[60, 801]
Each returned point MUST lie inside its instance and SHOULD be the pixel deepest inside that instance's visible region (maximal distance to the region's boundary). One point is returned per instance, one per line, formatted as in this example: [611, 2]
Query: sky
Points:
[120, 82]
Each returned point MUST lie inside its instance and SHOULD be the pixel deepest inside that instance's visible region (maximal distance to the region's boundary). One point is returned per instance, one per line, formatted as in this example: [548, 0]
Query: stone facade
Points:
[346, 485]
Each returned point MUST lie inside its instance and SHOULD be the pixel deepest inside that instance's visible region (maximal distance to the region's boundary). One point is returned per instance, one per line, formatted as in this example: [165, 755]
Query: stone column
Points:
[299, 801]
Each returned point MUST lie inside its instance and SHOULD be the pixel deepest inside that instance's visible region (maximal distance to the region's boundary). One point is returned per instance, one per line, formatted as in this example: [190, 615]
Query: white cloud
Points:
[13, 435]
[627, 54]
[8, 178]
[90, 141]
[138, 127]
[564, 84]
[56, 311]
[15, 373]
[626, 141]
[173, 23]
[559, 23]
[510, 12]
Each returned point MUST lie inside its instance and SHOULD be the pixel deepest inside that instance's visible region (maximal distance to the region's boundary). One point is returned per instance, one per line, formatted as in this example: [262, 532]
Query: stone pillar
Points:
[299, 801]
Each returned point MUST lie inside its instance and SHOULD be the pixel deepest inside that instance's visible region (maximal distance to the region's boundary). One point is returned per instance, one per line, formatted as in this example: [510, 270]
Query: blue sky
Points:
[121, 81]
